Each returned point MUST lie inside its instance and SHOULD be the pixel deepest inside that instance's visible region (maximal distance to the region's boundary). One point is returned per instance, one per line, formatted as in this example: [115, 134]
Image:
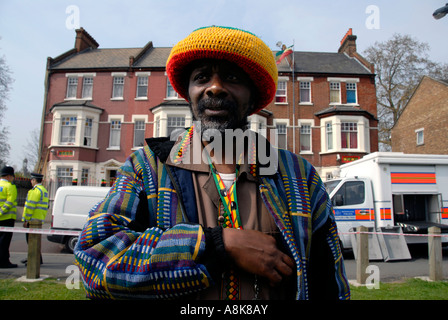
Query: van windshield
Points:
[330, 185]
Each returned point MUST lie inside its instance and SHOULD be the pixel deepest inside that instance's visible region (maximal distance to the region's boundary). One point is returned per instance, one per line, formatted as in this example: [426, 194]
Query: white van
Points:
[392, 190]
[70, 211]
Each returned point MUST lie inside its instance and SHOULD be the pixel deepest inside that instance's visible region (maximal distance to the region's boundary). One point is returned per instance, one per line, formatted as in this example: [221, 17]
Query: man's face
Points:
[220, 95]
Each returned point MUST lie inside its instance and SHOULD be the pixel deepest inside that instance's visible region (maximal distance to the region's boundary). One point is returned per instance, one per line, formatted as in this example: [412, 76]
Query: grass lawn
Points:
[411, 289]
[47, 289]
[53, 289]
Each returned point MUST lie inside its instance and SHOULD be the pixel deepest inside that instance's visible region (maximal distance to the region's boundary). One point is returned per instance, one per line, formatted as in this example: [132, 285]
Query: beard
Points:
[230, 120]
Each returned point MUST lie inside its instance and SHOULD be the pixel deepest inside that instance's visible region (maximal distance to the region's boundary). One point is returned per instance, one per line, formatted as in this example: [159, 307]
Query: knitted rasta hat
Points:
[238, 46]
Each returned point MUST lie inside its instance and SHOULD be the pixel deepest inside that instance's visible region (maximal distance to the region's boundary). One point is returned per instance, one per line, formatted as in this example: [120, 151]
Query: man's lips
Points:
[216, 112]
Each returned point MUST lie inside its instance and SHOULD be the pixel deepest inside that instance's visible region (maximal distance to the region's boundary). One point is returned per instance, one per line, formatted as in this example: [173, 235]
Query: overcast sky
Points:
[33, 30]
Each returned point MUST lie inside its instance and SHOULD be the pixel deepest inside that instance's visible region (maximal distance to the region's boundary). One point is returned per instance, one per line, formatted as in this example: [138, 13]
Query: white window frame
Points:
[276, 124]
[310, 124]
[64, 176]
[81, 113]
[88, 130]
[282, 92]
[308, 81]
[115, 126]
[161, 114]
[118, 81]
[138, 118]
[363, 134]
[343, 80]
[354, 88]
[335, 86]
[170, 93]
[87, 88]
[72, 85]
[348, 127]
[420, 136]
[70, 122]
[329, 136]
[142, 82]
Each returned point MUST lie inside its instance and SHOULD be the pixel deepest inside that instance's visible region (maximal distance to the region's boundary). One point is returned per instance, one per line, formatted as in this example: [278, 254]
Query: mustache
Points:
[217, 104]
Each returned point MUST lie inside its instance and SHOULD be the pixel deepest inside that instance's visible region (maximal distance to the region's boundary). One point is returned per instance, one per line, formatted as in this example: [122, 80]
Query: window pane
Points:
[139, 133]
[280, 96]
[305, 92]
[174, 123]
[305, 138]
[329, 133]
[88, 132]
[142, 87]
[87, 86]
[420, 137]
[352, 193]
[118, 87]
[72, 87]
[115, 133]
[349, 135]
[170, 92]
[64, 176]
[68, 129]
[351, 92]
[281, 136]
[85, 177]
[335, 92]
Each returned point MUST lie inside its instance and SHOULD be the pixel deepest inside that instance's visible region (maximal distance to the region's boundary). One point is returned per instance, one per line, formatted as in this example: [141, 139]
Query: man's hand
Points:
[257, 253]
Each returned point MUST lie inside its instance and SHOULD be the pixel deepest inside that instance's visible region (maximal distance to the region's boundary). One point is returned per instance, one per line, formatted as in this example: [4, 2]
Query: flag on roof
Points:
[279, 56]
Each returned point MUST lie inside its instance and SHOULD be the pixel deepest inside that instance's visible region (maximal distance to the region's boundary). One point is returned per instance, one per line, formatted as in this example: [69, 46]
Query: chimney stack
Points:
[348, 44]
[84, 40]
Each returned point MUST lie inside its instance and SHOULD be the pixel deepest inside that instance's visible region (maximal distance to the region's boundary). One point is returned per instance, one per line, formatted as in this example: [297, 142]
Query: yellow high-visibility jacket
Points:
[8, 200]
[36, 204]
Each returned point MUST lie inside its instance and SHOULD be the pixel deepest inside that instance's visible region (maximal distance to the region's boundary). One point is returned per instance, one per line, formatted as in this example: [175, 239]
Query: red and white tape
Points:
[77, 233]
[397, 234]
[41, 231]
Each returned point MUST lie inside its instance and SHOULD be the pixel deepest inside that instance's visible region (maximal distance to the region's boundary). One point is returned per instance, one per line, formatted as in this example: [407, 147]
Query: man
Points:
[36, 205]
[8, 210]
[195, 218]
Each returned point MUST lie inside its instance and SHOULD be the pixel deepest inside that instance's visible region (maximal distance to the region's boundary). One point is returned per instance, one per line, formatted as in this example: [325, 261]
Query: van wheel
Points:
[71, 243]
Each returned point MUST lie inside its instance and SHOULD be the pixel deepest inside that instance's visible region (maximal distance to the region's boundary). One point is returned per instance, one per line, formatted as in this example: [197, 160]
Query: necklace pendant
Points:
[221, 219]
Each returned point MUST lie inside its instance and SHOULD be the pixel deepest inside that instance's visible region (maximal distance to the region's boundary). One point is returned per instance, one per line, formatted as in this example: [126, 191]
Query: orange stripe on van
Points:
[413, 177]
[444, 213]
[385, 214]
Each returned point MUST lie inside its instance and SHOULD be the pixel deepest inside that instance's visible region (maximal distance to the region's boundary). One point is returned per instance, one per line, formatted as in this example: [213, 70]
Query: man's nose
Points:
[216, 87]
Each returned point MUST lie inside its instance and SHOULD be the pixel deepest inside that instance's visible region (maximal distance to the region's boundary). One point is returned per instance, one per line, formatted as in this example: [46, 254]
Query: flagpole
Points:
[293, 101]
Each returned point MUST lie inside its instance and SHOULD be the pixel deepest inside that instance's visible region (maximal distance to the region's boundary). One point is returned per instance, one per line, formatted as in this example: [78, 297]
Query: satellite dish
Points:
[279, 44]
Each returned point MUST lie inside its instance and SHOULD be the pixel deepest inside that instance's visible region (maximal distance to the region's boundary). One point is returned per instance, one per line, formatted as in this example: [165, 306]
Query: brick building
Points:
[100, 105]
[421, 126]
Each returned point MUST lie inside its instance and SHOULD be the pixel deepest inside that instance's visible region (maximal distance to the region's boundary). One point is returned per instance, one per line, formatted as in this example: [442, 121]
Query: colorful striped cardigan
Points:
[125, 253]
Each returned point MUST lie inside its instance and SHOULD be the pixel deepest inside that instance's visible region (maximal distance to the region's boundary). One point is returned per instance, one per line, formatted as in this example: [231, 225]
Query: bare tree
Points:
[5, 86]
[400, 63]
[31, 149]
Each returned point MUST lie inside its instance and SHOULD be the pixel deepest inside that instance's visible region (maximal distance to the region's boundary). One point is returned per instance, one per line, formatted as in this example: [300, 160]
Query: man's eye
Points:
[200, 77]
[232, 77]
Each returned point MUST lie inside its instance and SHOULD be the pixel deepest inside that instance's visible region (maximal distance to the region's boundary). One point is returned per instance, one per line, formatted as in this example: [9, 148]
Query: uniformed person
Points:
[8, 211]
[36, 204]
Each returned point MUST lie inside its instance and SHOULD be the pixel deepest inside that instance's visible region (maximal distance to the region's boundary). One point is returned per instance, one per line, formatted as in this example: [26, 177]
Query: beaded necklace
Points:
[229, 199]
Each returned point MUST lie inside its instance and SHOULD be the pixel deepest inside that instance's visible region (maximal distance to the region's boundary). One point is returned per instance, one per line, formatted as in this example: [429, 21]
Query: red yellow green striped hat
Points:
[238, 46]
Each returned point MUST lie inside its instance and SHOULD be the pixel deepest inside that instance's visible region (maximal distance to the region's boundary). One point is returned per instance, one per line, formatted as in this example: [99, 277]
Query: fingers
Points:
[258, 253]
[283, 268]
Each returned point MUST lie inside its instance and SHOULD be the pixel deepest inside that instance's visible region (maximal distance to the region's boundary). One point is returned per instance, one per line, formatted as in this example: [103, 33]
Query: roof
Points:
[76, 103]
[342, 109]
[325, 62]
[150, 57]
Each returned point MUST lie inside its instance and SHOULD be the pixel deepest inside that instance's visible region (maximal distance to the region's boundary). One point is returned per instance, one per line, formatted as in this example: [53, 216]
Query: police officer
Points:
[8, 211]
[36, 204]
